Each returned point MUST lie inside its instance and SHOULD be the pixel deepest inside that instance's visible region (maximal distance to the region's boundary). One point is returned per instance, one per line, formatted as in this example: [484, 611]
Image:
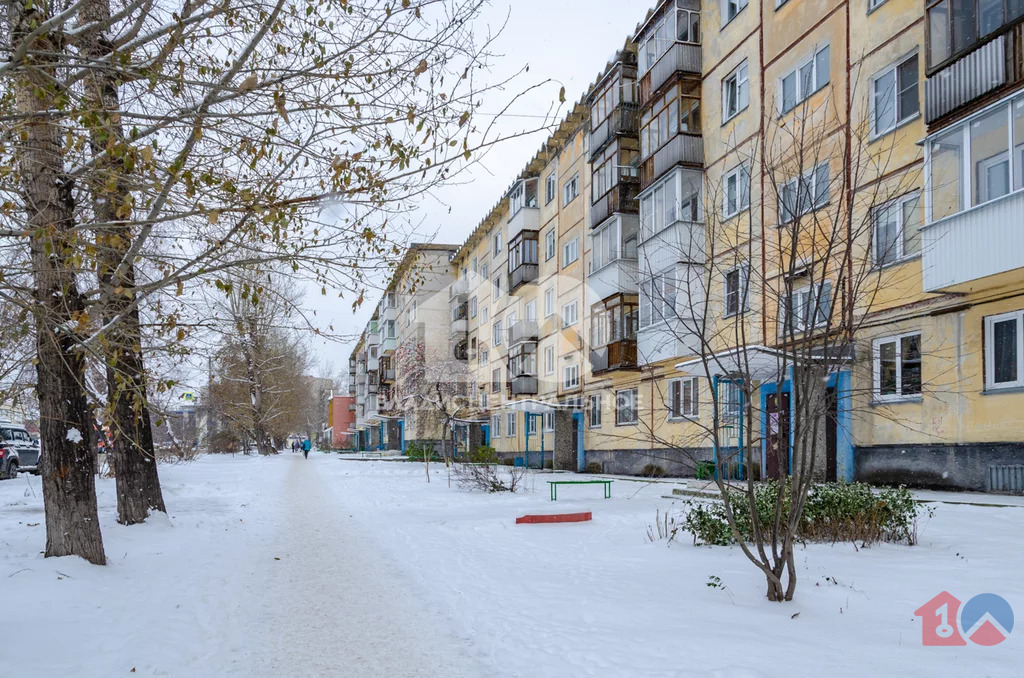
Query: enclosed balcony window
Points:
[955, 27]
[676, 198]
[522, 360]
[616, 91]
[615, 241]
[681, 24]
[615, 319]
[522, 250]
[614, 165]
[675, 112]
[977, 161]
[523, 194]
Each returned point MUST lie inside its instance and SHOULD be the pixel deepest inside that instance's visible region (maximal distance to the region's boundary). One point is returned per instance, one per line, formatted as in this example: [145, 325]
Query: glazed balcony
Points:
[683, 149]
[523, 330]
[522, 385]
[524, 208]
[618, 276]
[460, 318]
[623, 120]
[621, 199]
[458, 289]
[681, 58]
[618, 355]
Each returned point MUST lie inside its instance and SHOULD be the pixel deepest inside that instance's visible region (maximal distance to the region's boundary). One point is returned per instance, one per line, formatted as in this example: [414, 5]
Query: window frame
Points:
[550, 188]
[633, 407]
[594, 408]
[799, 95]
[798, 184]
[899, 203]
[676, 401]
[574, 305]
[571, 189]
[740, 6]
[550, 244]
[511, 425]
[805, 291]
[739, 173]
[742, 86]
[495, 425]
[989, 351]
[549, 302]
[574, 244]
[549, 360]
[876, 368]
[567, 382]
[898, 120]
[742, 294]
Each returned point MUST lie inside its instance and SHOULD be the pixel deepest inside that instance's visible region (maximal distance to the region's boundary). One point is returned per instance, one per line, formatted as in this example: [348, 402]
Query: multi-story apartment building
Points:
[747, 193]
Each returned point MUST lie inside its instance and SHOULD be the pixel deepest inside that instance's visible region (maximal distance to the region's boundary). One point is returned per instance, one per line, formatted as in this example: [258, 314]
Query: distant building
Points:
[341, 420]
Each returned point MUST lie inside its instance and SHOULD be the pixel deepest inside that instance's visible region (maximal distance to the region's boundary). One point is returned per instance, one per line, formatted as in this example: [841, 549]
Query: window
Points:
[677, 198]
[484, 353]
[614, 163]
[570, 251]
[897, 364]
[485, 271]
[570, 314]
[496, 292]
[495, 380]
[730, 400]
[734, 291]
[616, 240]
[549, 244]
[626, 407]
[495, 425]
[549, 421]
[476, 267]
[496, 332]
[531, 310]
[977, 161]
[613, 320]
[595, 411]
[675, 112]
[531, 424]
[549, 303]
[1004, 350]
[806, 308]
[804, 80]
[658, 298]
[571, 376]
[510, 424]
[483, 399]
[735, 92]
[736, 193]
[549, 360]
[472, 307]
[485, 313]
[957, 26]
[682, 25]
[897, 234]
[549, 188]
[875, 4]
[894, 97]
[804, 194]
[496, 238]
[730, 8]
[683, 398]
[571, 189]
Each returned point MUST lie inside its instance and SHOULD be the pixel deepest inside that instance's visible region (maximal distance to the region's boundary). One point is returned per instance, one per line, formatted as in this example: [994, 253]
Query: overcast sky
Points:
[567, 41]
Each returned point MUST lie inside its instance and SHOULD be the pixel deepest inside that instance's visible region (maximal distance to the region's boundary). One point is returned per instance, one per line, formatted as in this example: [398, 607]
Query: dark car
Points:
[18, 452]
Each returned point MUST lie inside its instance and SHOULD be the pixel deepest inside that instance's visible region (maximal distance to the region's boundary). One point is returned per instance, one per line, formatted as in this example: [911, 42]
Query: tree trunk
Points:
[138, 482]
[68, 463]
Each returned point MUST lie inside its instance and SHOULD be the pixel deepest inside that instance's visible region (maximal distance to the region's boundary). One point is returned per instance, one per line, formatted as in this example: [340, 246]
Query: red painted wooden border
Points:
[555, 518]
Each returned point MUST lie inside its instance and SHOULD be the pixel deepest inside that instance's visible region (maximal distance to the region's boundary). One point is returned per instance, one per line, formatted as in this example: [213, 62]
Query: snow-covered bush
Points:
[833, 512]
[488, 478]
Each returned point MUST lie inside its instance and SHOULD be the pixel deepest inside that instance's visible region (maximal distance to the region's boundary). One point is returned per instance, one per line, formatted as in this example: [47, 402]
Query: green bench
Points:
[553, 485]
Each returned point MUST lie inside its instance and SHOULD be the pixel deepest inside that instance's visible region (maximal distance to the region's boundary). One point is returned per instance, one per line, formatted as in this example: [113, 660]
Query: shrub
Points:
[653, 471]
[593, 467]
[833, 512]
[488, 478]
[483, 455]
[421, 452]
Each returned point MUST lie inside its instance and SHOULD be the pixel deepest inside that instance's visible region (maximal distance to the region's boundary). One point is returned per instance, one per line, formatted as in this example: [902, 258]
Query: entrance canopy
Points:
[757, 363]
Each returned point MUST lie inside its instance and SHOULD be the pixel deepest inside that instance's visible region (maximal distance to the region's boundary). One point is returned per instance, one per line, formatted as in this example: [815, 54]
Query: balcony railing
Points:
[685, 149]
[617, 355]
[622, 198]
[523, 385]
[682, 57]
[387, 375]
[526, 219]
[977, 243]
[625, 119]
[460, 326]
[521, 275]
[523, 330]
[619, 276]
[969, 77]
[388, 345]
[459, 288]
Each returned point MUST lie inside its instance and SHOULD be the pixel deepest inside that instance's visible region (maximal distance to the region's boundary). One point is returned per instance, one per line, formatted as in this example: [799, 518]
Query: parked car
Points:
[18, 452]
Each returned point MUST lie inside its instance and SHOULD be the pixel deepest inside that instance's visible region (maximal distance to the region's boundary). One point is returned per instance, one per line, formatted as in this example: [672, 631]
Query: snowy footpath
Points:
[335, 567]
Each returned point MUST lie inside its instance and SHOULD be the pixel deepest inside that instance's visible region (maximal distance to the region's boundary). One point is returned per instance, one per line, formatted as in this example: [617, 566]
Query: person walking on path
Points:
[306, 445]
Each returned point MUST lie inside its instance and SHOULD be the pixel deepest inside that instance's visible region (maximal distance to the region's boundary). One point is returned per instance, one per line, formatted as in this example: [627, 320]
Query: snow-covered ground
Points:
[337, 567]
